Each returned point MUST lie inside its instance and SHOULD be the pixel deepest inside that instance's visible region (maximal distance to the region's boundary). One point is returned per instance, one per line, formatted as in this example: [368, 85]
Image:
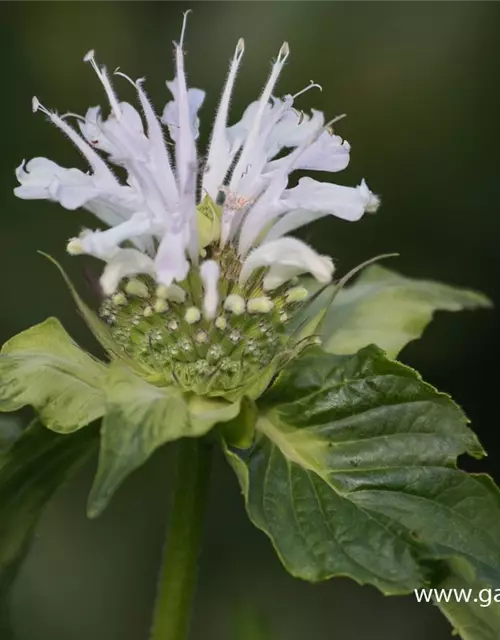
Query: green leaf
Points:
[479, 618]
[31, 471]
[389, 310]
[44, 368]
[141, 417]
[353, 473]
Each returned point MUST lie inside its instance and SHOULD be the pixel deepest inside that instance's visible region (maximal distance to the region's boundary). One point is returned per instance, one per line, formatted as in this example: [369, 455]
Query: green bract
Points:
[386, 309]
[346, 462]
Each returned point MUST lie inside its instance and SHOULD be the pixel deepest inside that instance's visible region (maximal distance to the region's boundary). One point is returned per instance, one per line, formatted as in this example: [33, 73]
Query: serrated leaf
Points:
[389, 310]
[35, 466]
[44, 368]
[353, 473]
[141, 417]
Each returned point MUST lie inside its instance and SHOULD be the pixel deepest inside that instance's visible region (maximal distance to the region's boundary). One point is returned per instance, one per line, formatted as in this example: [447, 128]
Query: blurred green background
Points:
[420, 84]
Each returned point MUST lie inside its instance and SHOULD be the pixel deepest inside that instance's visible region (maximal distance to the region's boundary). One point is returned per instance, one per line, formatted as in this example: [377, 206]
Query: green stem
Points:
[177, 581]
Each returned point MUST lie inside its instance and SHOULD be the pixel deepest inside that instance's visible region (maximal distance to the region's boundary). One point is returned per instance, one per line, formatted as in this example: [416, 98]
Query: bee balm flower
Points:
[151, 246]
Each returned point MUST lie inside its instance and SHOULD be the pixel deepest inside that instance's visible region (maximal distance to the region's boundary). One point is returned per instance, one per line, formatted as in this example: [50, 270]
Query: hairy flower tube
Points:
[199, 279]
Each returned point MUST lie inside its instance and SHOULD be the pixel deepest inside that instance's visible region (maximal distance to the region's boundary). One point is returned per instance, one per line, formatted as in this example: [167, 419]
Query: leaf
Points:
[43, 367]
[30, 472]
[479, 618]
[140, 418]
[389, 310]
[353, 473]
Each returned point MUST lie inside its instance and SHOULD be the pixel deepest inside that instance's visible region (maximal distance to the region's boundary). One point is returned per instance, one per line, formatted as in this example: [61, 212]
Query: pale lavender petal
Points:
[348, 203]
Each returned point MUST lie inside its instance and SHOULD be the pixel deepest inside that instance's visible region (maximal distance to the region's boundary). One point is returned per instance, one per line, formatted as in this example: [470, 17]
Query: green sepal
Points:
[141, 417]
[353, 473]
[386, 309]
[44, 368]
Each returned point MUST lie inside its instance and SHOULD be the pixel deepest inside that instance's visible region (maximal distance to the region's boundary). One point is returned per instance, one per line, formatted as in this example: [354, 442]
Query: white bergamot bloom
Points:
[211, 235]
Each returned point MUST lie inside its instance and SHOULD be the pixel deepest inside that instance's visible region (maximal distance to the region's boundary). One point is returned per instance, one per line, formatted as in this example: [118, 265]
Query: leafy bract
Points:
[44, 368]
[386, 309]
[139, 418]
[99, 329]
[353, 473]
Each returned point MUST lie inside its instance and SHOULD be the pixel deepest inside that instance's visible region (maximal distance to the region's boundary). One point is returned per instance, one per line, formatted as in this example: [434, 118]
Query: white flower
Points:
[152, 218]
[286, 258]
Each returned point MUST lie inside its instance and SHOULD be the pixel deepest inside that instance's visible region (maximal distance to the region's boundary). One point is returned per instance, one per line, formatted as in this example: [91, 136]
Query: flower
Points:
[214, 231]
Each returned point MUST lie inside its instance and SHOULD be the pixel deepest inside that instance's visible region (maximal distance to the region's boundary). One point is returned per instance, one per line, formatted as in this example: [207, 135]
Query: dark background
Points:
[420, 85]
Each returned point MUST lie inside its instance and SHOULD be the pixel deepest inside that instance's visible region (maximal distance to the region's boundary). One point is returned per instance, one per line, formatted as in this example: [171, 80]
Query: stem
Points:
[177, 581]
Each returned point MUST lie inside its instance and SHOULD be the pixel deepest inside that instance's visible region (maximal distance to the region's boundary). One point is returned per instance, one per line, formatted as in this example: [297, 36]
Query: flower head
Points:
[216, 231]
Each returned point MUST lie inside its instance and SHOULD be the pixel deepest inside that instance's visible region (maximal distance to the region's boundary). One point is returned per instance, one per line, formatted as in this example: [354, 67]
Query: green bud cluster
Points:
[168, 334]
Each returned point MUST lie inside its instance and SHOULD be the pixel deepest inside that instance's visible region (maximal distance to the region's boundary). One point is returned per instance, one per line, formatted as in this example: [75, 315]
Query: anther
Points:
[36, 105]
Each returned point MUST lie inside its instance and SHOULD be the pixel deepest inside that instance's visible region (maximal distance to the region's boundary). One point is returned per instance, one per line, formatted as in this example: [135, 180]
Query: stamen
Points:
[117, 72]
[70, 114]
[328, 125]
[103, 77]
[311, 85]
[36, 105]
[184, 23]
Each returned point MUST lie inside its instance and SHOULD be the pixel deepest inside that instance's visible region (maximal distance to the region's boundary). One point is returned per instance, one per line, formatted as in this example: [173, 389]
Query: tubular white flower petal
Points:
[269, 206]
[125, 263]
[291, 221]
[327, 153]
[98, 165]
[219, 157]
[286, 258]
[171, 262]
[210, 272]
[43, 179]
[170, 115]
[293, 129]
[159, 151]
[185, 148]
[348, 203]
[103, 77]
[101, 244]
[245, 157]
